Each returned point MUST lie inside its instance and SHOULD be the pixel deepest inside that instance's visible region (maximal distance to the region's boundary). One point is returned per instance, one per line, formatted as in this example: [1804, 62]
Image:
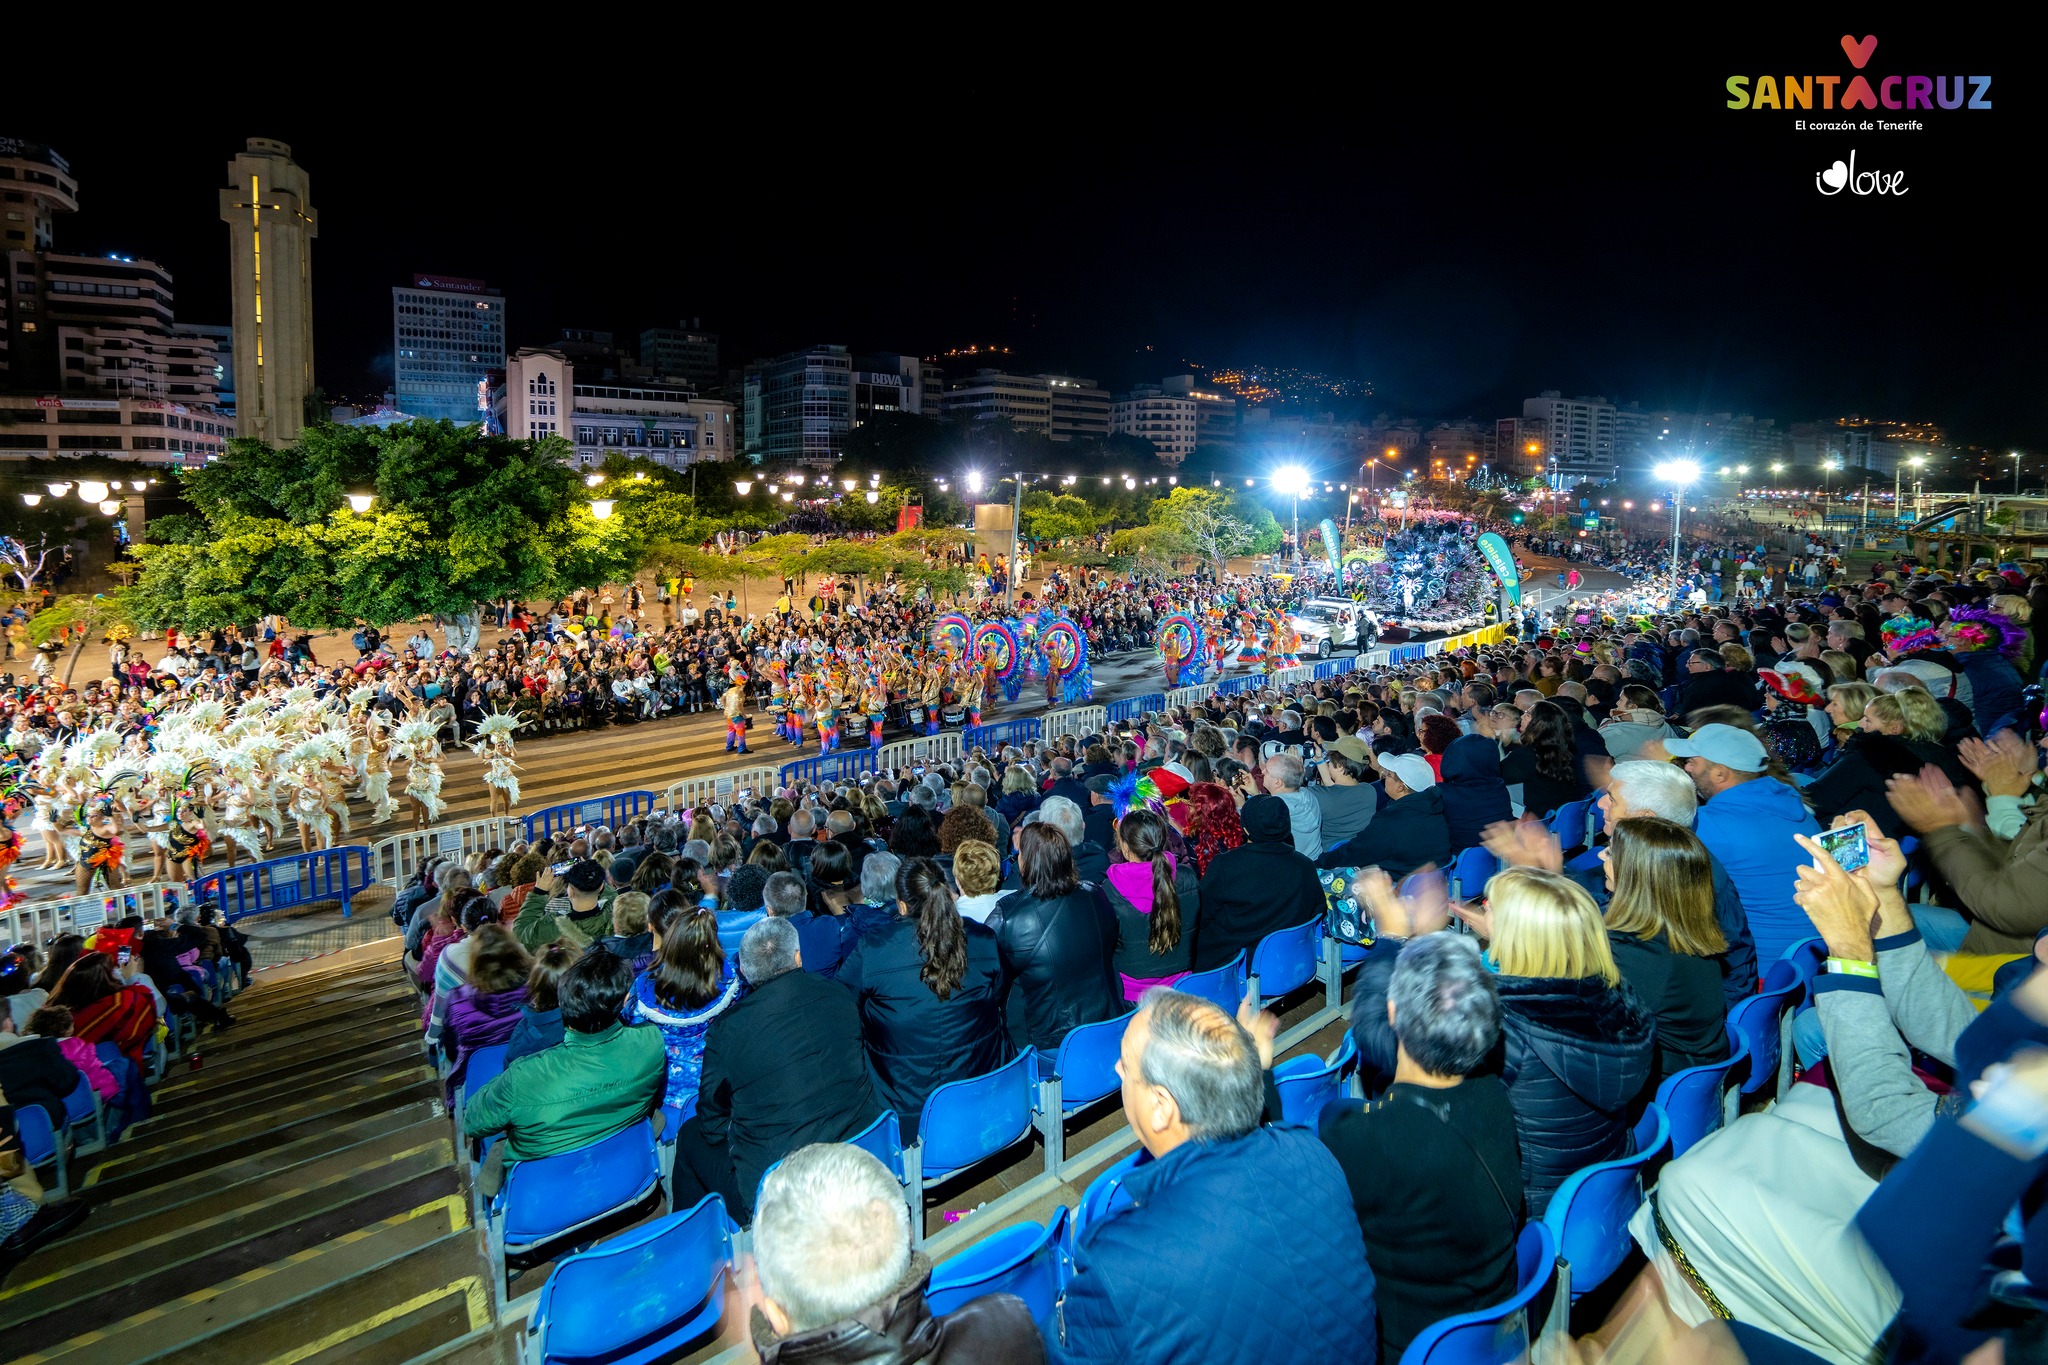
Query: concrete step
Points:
[496, 1345]
[174, 1127]
[266, 1089]
[269, 1313]
[282, 1055]
[151, 1213]
[44, 1311]
[127, 1172]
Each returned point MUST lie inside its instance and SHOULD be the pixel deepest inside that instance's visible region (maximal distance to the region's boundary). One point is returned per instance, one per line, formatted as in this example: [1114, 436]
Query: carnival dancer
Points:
[189, 843]
[875, 701]
[800, 708]
[829, 703]
[99, 845]
[928, 696]
[495, 748]
[1286, 643]
[1169, 653]
[974, 692]
[1251, 653]
[734, 704]
[376, 787]
[778, 697]
[420, 745]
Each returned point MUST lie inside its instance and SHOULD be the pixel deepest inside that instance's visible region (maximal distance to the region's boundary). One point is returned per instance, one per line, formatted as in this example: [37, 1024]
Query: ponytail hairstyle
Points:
[1143, 835]
[941, 933]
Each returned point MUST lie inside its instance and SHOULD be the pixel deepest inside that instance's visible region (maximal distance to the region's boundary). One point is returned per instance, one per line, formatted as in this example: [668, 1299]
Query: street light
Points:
[874, 496]
[360, 502]
[744, 486]
[850, 484]
[592, 480]
[1776, 470]
[974, 480]
[1293, 480]
[2015, 473]
[1898, 471]
[58, 490]
[1677, 473]
[91, 490]
[110, 506]
[601, 508]
[31, 498]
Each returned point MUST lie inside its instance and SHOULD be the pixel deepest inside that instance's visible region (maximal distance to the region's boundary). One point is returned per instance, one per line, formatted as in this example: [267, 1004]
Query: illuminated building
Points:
[684, 352]
[1167, 420]
[1578, 440]
[798, 407]
[448, 333]
[1215, 410]
[271, 226]
[537, 396]
[891, 382]
[1022, 400]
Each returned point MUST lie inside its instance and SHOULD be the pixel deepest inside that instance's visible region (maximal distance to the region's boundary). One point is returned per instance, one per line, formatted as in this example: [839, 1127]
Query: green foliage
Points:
[97, 612]
[1208, 522]
[460, 516]
[1057, 516]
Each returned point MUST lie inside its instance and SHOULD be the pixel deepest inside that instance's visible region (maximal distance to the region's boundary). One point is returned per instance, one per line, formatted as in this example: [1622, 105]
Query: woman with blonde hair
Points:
[1579, 1044]
[1897, 734]
[1666, 940]
[1846, 701]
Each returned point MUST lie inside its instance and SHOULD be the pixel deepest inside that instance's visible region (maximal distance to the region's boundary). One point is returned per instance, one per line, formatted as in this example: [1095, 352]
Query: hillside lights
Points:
[91, 490]
[359, 503]
[601, 508]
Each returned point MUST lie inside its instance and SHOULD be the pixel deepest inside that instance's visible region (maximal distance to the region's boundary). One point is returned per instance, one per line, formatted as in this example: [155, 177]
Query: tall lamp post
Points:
[2015, 473]
[1293, 480]
[1677, 473]
[1898, 472]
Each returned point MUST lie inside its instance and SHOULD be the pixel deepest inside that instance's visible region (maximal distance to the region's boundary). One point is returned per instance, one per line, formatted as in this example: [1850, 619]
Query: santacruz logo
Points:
[1860, 91]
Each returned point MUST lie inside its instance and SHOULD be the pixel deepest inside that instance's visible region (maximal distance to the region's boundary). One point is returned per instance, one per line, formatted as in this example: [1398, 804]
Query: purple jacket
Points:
[477, 1020]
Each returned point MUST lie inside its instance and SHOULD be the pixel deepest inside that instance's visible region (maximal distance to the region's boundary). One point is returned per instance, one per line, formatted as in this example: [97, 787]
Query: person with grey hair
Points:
[1283, 774]
[1208, 1204]
[840, 1281]
[1091, 860]
[877, 904]
[1441, 1239]
[783, 1067]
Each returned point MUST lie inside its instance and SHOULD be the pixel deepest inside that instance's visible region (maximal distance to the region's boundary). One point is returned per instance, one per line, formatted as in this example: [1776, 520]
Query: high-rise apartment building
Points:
[448, 335]
[1167, 420]
[1520, 446]
[268, 208]
[1080, 408]
[798, 407]
[685, 352]
[1215, 410]
[1579, 436]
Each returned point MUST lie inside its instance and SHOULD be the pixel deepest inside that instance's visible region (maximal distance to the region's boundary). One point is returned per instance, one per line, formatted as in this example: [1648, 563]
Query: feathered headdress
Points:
[1906, 634]
[361, 697]
[498, 723]
[1135, 789]
[1978, 630]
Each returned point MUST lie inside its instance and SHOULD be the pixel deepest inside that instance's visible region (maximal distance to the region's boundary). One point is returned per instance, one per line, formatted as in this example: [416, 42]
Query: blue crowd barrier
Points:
[256, 888]
[1403, 654]
[1249, 682]
[1130, 708]
[999, 734]
[612, 811]
[830, 767]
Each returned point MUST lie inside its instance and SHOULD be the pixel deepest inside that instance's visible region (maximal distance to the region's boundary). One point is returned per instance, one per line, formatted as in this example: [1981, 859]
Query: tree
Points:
[459, 516]
[1206, 522]
[1061, 516]
[81, 616]
[29, 536]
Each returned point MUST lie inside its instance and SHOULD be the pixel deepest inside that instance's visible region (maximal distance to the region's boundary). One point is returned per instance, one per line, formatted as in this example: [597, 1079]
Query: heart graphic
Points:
[1836, 176]
[1859, 53]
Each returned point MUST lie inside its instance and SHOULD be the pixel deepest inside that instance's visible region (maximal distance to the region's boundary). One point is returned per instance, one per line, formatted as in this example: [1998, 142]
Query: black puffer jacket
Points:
[1856, 779]
[1576, 1052]
[1059, 952]
[1403, 836]
[915, 1041]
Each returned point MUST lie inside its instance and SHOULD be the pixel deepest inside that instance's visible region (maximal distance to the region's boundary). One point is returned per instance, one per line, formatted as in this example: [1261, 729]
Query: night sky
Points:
[1459, 222]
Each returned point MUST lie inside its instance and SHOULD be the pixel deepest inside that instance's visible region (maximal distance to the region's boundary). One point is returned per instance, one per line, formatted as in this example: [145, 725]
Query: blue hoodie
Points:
[1750, 828]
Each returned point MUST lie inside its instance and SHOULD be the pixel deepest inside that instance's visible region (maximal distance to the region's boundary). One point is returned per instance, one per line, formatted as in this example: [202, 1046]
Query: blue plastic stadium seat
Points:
[971, 1120]
[640, 1297]
[1284, 961]
[1086, 1062]
[1497, 1335]
[1023, 1259]
[1570, 822]
[1799, 964]
[1693, 1099]
[42, 1144]
[1757, 1020]
[1105, 1194]
[883, 1140]
[85, 1119]
[1224, 985]
[1589, 1213]
[552, 1198]
[1471, 872]
[1308, 1084]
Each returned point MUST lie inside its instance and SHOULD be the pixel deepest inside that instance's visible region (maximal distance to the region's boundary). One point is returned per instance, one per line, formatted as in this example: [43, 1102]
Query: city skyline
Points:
[1660, 249]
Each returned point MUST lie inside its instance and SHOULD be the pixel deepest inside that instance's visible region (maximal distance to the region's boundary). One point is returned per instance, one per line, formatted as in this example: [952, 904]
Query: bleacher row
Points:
[653, 1291]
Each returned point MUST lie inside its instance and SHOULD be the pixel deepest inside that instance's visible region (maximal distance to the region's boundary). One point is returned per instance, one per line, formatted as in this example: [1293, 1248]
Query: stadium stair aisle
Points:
[295, 1199]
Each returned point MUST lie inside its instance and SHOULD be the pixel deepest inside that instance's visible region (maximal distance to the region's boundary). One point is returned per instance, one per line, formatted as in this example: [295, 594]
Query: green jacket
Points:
[544, 919]
[569, 1096]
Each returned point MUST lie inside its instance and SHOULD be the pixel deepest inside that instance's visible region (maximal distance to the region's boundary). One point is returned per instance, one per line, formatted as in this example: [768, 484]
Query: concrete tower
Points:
[271, 227]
